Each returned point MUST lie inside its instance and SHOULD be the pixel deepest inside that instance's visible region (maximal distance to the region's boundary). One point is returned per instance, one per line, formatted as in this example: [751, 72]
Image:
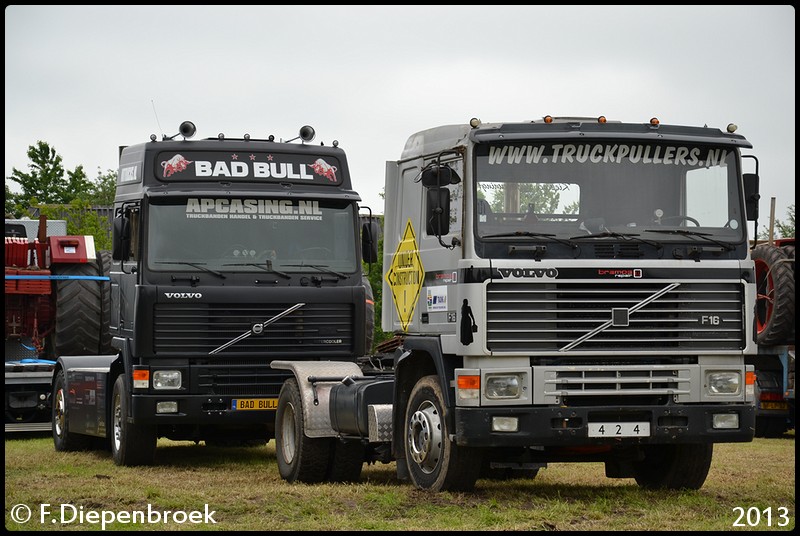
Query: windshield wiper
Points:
[530, 234]
[624, 236]
[705, 236]
[197, 265]
[267, 267]
[321, 268]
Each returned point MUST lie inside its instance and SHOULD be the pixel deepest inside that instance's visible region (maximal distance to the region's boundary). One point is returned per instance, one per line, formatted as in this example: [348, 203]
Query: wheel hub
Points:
[425, 437]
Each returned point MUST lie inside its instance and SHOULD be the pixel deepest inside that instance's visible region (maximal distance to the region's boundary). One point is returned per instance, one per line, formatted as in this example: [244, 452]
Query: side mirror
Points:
[751, 195]
[121, 242]
[369, 241]
[437, 176]
[438, 212]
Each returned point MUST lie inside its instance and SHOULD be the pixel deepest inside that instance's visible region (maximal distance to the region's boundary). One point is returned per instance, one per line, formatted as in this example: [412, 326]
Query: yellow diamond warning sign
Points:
[405, 276]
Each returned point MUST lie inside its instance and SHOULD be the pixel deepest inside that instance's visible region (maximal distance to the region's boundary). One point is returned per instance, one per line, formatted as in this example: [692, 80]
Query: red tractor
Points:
[775, 326]
[57, 294]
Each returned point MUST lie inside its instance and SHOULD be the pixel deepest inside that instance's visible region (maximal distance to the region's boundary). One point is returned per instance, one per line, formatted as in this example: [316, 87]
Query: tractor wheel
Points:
[775, 295]
[79, 311]
[104, 270]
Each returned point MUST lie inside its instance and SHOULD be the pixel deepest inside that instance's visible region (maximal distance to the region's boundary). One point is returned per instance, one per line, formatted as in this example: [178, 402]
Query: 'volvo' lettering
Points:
[551, 273]
[173, 295]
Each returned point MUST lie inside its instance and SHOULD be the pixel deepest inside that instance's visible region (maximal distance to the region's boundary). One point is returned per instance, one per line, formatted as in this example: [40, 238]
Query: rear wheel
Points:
[300, 458]
[63, 440]
[434, 461]
[131, 444]
[347, 460]
[674, 466]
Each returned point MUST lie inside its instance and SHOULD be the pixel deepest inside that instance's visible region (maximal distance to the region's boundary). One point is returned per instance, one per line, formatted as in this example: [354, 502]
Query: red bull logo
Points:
[174, 165]
[321, 167]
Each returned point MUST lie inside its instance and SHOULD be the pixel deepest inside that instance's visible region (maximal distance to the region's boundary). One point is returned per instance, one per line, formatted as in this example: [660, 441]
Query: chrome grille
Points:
[634, 316]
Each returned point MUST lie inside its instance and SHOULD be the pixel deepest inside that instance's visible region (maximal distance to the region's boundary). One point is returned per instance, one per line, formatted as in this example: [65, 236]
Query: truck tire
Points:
[63, 440]
[104, 270]
[300, 458]
[131, 444]
[674, 466]
[434, 461]
[79, 312]
[775, 295]
[347, 460]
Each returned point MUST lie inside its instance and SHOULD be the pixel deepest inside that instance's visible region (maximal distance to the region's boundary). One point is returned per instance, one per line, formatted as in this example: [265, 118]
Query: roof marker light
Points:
[654, 121]
[602, 119]
[474, 122]
[732, 128]
[548, 119]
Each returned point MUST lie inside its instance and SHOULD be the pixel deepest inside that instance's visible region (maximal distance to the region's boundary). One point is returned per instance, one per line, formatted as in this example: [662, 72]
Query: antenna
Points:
[157, 121]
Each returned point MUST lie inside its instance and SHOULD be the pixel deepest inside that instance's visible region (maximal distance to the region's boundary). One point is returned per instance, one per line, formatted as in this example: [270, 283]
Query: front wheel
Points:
[674, 466]
[300, 458]
[434, 461]
[131, 444]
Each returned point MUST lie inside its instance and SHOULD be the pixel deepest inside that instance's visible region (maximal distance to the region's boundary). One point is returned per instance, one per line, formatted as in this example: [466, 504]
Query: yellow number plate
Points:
[774, 405]
[254, 404]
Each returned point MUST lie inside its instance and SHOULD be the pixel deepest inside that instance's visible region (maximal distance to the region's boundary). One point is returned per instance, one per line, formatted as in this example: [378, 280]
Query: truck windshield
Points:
[607, 189]
[251, 235]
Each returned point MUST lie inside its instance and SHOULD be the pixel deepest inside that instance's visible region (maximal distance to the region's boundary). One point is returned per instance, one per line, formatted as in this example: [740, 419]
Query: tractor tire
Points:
[79, 311]
[775, 298]
[104, 270]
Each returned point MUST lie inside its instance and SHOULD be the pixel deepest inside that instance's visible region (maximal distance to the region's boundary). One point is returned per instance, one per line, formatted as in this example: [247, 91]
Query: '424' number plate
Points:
[619, 429]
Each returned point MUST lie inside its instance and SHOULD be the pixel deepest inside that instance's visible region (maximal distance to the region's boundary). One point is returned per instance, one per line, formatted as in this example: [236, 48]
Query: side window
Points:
[136, 229]
[707, 196]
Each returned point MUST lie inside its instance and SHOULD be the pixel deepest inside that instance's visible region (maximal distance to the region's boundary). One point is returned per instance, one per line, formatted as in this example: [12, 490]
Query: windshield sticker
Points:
[561, 153]
[250, 166]
[253, 209]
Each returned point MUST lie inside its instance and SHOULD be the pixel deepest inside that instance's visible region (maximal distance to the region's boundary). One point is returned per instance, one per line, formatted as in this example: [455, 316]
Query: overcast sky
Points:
[89, 79]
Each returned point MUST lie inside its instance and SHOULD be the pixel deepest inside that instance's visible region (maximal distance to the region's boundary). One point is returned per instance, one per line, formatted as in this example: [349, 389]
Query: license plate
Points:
[774, 405]
[619, 429]
[254, 404]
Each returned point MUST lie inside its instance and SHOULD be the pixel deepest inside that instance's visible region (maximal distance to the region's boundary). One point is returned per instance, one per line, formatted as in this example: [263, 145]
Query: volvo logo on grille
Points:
[528, 272]
[258, 329]
[193, 295]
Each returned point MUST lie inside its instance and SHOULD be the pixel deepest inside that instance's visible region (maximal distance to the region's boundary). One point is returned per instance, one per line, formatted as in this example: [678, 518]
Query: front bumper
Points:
[568, 426]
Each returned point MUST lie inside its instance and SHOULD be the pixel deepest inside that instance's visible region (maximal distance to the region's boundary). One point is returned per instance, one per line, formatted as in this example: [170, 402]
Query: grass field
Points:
[194, 487]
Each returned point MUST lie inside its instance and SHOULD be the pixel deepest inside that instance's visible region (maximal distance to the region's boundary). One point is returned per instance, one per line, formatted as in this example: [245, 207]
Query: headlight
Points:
[503, 386]
[723, 383]
[167, 379]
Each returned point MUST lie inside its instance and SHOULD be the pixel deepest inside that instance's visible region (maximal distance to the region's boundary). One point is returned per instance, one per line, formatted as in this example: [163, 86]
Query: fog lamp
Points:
[729, 421]
[505, 424]
[169, 406]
